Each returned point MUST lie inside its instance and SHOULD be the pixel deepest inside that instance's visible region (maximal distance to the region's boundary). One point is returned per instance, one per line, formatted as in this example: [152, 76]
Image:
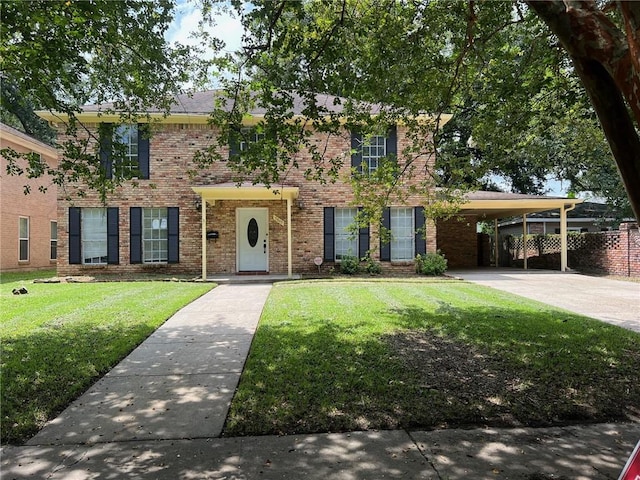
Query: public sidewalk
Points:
[159, 415]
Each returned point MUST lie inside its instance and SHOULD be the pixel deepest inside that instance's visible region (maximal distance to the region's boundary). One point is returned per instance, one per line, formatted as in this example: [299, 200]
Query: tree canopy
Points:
[536, 89]
[522, 106]
[60, 55]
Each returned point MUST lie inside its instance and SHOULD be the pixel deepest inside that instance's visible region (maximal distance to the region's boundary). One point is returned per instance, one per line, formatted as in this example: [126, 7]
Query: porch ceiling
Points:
[492, 205]
[246, 191]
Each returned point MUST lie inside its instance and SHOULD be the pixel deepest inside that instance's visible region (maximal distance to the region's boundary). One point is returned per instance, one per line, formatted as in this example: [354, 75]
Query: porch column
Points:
[289, 242]
[563, 239]
[524, 240]
[203, 216]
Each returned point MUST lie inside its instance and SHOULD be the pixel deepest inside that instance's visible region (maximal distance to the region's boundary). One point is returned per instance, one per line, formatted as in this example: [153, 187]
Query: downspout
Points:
[563, 236]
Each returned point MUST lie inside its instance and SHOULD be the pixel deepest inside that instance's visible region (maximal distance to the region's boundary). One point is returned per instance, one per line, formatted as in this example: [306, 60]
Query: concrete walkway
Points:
[160, 412]
[612, 301]
[177, 384]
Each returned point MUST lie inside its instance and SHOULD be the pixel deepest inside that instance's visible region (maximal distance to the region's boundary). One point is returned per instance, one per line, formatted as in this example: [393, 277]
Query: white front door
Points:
[252, 239]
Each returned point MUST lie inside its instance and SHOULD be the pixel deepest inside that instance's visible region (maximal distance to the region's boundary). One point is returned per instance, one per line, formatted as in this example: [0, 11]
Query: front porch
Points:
[252, 243]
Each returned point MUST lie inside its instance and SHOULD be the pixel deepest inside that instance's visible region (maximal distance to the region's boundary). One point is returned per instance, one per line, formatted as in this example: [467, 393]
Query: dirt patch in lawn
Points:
[481, 388]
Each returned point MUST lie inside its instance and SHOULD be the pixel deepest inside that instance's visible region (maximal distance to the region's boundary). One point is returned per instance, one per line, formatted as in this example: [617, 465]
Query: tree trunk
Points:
[603, 58]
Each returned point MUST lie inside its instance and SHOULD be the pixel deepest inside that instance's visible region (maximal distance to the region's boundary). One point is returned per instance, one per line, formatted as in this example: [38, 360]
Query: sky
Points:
[186, 21]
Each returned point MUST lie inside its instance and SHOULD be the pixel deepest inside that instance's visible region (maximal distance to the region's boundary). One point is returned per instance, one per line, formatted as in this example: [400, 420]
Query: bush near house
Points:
[431, 263]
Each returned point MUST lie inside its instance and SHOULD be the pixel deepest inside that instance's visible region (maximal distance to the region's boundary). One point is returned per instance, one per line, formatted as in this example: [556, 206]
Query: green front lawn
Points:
[339, 356]
[59, 338]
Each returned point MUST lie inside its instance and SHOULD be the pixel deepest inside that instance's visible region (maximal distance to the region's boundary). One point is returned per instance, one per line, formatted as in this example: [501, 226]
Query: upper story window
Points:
[126, 137]
[242, 140]
[368, 152]
[247, 137]
[124, 150]
[374, 148]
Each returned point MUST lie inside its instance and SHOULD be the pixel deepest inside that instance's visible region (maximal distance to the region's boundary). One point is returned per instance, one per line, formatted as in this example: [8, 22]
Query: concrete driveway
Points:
[612, 301]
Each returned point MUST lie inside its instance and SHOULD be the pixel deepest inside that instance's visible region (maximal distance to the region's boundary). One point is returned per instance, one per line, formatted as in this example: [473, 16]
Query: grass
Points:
[60, 338]
[339, 356]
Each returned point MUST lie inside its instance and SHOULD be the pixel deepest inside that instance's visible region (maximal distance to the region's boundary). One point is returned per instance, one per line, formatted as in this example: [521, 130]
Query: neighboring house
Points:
[28, 222]
[176, 223]
[586, 217]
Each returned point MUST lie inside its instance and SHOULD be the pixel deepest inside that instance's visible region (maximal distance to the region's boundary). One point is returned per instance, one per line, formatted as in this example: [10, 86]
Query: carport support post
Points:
[496, 250]
[203, 216]
[524, 240]
[563, 239]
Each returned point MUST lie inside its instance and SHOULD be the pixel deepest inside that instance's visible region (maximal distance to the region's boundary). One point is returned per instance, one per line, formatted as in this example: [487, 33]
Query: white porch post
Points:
[524, 240]
[563, 239]
[203, 216]
[289, 241]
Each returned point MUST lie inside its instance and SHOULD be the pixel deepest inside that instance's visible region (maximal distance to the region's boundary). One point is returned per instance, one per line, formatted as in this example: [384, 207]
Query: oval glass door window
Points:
[252, 232]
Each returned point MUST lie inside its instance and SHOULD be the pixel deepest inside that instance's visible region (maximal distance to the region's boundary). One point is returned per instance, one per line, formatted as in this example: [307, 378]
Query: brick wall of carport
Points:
[457, 239]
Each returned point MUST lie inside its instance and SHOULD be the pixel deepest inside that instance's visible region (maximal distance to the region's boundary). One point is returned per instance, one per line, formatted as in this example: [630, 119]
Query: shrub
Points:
[349, 265]
[431, 263]
[371, 266]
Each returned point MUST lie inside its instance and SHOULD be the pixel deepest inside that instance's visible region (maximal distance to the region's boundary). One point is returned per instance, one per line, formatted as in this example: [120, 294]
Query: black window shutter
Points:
[106, 140]
[173, 234]
[385, 248]
[356, 148]
[143, 150]
[75, 238]
[113, 236]
[420, 242]
[329, 234]
[234, 143]
[135, 235]
[392, 142]
[363, 239]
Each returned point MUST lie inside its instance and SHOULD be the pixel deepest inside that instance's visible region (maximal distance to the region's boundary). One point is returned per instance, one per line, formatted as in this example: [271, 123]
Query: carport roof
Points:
[492, 205]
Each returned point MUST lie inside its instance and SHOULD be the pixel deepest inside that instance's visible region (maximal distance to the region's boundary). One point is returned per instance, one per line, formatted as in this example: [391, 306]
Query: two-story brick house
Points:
[178, 223]
[28, 222]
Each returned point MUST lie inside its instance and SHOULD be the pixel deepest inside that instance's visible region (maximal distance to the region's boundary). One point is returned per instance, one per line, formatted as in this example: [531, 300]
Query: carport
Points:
[497, 205]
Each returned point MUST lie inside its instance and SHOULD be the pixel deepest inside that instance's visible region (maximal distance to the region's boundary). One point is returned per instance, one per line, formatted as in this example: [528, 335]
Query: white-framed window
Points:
[53, 255]
[23, 239]
[374, 148]
[94, 236]
[155, 243]
[345, 238]
[402, 233]
[248, 136]
[127, 137]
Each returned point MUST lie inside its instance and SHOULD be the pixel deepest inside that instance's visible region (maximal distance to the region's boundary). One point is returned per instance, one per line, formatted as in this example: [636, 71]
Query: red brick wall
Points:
[172, 148]
[457, 240]
[38, 207]
[615, 252]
